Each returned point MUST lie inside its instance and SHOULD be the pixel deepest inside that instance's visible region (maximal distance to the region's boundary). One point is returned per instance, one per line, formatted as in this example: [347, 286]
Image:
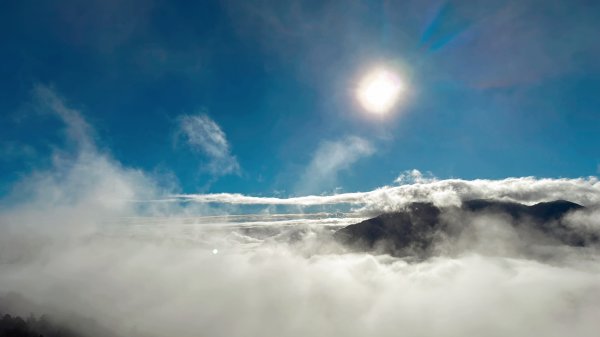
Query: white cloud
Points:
[414, 176]
[206, 136]
[330, 158]
[83, 186]
[585, 191]
[161, 284]
[279, 275]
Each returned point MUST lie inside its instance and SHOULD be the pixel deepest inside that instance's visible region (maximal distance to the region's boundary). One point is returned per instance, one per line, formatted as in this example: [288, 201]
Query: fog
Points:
[160, 286]
[83, 239]
[136, 273]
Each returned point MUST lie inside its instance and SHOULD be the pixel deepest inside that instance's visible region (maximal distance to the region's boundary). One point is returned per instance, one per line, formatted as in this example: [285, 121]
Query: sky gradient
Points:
[258, 97]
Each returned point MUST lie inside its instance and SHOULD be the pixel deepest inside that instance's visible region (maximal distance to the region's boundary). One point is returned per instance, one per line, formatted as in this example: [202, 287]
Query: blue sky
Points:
[257, 97]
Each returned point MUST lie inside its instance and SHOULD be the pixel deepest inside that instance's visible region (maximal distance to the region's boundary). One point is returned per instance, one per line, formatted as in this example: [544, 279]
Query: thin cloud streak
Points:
[240, 199]
[529, 190]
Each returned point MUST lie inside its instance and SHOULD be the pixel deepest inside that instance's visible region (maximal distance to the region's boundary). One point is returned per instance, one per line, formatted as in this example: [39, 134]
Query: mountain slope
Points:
[416, 229]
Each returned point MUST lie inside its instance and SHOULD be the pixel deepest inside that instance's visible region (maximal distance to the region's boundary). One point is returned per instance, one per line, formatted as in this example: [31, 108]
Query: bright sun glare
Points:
[379, 91]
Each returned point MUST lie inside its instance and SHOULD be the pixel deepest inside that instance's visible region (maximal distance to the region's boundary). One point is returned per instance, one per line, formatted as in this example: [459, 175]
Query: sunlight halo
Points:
[379, 91]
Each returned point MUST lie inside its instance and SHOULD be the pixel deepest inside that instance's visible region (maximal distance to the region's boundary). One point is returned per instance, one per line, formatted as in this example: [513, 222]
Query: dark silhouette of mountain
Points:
[416, 229]
[15, 326]
[543, 211]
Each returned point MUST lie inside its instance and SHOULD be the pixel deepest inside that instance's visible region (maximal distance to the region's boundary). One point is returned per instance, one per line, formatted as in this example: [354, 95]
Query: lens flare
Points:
[379, 91]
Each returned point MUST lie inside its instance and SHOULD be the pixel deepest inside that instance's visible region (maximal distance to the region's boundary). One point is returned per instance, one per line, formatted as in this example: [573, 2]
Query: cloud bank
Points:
[528, 190]
[73, 241]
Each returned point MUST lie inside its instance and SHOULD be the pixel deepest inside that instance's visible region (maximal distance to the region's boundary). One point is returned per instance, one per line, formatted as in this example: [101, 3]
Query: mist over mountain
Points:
[301, 275]
[421, 229]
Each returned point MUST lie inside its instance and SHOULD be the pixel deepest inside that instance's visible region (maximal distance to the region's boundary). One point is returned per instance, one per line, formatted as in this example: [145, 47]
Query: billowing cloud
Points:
[151, 280]
[205, 135]
[73, 242]
[83, 185]
[414, 176]
[330, 158]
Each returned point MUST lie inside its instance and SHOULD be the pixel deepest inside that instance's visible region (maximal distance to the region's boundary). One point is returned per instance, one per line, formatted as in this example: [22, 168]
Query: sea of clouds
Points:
[89, 238]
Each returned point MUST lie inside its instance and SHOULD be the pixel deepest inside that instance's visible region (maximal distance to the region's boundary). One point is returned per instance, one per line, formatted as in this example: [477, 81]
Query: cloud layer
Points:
[529, 190]
[75, 239]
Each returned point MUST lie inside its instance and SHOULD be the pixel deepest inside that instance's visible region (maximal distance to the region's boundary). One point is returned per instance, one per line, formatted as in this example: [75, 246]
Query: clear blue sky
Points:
[496, 89]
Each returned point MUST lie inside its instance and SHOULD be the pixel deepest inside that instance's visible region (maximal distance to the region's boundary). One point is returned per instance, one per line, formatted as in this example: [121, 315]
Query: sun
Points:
[379, 91]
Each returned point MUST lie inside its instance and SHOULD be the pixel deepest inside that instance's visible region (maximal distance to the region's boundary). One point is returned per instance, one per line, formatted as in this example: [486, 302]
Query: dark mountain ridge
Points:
[416, 229]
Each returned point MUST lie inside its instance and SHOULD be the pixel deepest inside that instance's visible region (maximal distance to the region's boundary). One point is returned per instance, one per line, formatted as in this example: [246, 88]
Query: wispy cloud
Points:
[204, 135]
[10, 150]
[330, 158]
[78, 130]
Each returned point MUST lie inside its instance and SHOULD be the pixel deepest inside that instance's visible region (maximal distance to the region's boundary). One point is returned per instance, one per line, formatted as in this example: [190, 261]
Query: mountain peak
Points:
[419, 226]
